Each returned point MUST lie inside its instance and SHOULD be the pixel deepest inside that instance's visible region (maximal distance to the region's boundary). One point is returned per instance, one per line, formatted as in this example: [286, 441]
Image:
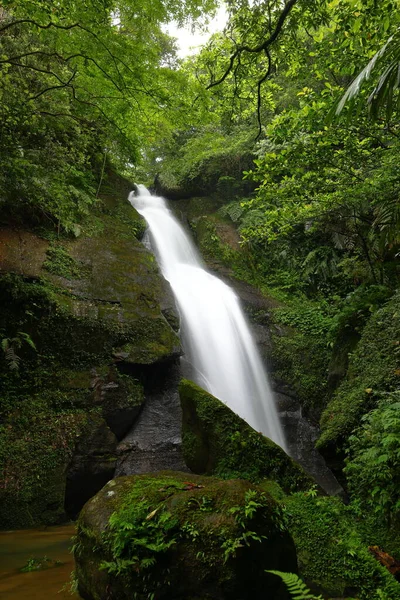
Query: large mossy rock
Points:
[217, 441]
[374, 370]
[171, 535]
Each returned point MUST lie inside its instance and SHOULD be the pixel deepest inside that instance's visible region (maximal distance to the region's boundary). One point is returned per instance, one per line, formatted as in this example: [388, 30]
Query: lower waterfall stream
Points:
[216, 338]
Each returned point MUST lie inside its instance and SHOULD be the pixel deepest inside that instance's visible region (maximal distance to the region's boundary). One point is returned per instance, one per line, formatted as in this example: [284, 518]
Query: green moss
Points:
[302, 361]
[153, 533]
[217, 441]
[215, 249]
[91, 387]
[36, 445]
[331, 552]
[373, 368]
[59, 262]
[197, 206]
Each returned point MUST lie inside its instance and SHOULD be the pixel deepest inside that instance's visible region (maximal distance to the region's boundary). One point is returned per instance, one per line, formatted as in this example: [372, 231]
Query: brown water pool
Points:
[18, 547]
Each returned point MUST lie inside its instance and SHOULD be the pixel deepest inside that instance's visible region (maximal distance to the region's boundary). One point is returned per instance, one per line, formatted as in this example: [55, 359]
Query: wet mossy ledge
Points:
[83, 320]
[173, 535]
[218, 442]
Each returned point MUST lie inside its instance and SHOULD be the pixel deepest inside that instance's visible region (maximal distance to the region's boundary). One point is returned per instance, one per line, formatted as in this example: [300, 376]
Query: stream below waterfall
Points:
[19, 547]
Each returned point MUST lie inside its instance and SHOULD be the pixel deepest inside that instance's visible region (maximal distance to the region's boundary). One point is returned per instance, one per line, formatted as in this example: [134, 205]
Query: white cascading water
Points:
[215, 336]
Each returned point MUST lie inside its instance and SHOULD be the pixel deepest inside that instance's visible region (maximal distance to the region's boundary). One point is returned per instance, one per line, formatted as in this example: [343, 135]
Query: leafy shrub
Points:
[373, 463]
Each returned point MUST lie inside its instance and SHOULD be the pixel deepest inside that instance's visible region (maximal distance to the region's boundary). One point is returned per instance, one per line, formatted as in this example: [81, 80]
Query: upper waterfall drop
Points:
[216, 338]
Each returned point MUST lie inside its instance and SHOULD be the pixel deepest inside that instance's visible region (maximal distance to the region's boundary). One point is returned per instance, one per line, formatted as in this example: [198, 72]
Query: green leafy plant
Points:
[39, 564]
[296, 587]
[9, 347]
[373, 463]
[254, 502]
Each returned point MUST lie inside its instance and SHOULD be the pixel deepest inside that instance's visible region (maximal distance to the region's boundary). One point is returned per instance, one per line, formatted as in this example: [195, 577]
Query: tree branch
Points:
[259, 84]
[260, 47]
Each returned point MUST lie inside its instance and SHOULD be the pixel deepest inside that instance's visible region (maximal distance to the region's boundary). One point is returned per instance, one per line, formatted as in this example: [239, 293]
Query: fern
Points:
[233, 210]
[296, 587]
[10, 345]
[27, 338]
[12, 359]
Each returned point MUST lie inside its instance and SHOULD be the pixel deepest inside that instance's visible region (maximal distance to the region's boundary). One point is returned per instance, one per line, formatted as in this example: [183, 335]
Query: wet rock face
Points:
[173, 536]
[154, 442]
[92, 464]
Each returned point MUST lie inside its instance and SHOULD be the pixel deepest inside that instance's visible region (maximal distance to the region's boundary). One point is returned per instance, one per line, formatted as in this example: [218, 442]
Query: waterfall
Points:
[215, 335]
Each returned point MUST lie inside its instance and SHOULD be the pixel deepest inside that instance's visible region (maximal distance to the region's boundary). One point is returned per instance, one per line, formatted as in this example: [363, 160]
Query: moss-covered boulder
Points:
[374, 369]
[217, 441]
[170, 535]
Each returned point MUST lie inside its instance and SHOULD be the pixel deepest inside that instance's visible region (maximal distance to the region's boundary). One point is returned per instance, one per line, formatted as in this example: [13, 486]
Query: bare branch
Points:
[64, 84]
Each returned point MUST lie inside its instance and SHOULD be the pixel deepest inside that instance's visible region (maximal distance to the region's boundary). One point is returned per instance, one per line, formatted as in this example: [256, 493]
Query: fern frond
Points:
[27, 338]
[388, 83]
[12, 359]
[296, 587]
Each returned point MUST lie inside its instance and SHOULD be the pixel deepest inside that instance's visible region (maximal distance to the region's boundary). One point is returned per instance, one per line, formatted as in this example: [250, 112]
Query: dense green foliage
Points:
[331, 551]
[373, 371]
[373, 469]
[81, 84]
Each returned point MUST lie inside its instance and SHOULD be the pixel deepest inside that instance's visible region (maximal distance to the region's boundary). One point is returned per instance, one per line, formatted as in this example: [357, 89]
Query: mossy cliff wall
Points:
[74, 315]
[374, 370]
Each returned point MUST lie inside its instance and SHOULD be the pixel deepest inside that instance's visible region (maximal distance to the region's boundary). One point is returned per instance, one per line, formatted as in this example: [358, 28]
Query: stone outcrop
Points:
[92, 464]
[217, 441]
[154, 441]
